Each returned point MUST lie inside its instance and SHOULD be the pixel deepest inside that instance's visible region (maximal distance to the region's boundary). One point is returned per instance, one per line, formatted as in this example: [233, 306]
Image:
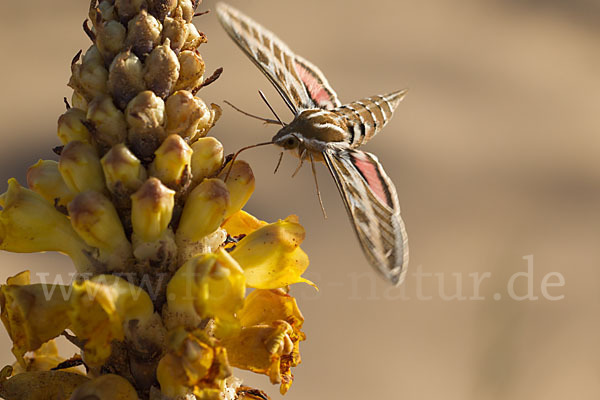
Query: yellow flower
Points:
[270, 336]
[242, 223]
[101, 308]
[271, 256]
[211, 286]
[264, 349]
[32, 314]
[28, 224]
[43, 359]
[193, 364]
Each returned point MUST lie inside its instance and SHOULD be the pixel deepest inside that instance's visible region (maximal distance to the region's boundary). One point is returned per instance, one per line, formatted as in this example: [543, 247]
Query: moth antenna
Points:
[262, 95]
[238, 153]
[265, 120]
[312, 165]
[301, 162]
[278, 163]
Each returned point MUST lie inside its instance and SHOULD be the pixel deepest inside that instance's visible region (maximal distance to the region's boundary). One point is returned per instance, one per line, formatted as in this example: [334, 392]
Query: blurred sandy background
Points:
[494, 153]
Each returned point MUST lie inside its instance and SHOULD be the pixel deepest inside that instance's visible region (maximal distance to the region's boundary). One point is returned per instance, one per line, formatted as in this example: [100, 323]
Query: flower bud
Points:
[175, 29]
[33, 314]
[78, 101]
[95, 219]
[145, 116]
[110, 38]
[208, 120]
[151, 209]
[120, 166]
[171, 159]
[105, 387]
[107, 10]
[45, 179]
[183, 112]
[143, 33]
[30, 224]
[125, 78]
[89, 78]
[161, 70]
[194, 38]
[271, 255]
[240, 184]
[161, 8]
[207, 158]
[80, 167]
[191, 70]
[109, 123]
[187, 9]
[127, 9]
[71, 126]
[204, 210]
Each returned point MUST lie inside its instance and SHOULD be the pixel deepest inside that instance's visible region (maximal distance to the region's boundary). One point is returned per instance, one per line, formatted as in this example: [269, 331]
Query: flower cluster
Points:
[175, 284]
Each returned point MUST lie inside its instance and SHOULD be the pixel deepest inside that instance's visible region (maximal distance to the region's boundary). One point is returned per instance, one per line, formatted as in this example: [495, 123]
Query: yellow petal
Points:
[101, 307]
[242, 223]
[211, 286]
[271, 256]
[266, 306]
[33, 314]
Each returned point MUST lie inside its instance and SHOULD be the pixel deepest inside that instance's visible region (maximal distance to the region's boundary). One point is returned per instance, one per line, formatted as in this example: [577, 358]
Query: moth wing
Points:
[300, 83]
[372, 205]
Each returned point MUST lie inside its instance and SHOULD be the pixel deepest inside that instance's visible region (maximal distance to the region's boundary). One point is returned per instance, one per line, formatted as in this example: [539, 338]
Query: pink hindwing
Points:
[372, 204]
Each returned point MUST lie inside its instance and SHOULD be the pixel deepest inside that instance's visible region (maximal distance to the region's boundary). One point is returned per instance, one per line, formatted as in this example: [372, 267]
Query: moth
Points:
[324, 129]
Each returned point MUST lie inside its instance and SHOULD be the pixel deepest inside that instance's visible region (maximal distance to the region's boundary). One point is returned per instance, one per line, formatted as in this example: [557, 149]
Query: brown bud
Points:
[161, 70]
[125, 78]
[108, 121]
[71, 126]
[175, 29]
[183, 112]
[78, 101]
[191, 70]
[143, 33]
[110, 37]
[145, 116]
[107, 10]
[187, 9]
[161, 8]
[89, 78]
[194, 38]
[127, 9]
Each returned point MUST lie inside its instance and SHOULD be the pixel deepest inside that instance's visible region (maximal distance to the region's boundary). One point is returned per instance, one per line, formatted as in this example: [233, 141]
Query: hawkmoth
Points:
[324, 129]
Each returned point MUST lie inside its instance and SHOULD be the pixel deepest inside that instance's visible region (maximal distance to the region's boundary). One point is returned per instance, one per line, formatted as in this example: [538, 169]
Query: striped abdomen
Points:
[366, 117]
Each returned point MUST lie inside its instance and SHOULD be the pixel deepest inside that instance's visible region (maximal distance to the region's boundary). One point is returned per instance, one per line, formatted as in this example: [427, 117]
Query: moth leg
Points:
[278, 163]
[312, 165]
[302, 156]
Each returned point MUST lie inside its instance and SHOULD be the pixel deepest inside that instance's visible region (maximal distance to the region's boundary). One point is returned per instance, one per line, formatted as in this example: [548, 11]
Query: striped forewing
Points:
[367, 117]
[372, 204]
[300, 83]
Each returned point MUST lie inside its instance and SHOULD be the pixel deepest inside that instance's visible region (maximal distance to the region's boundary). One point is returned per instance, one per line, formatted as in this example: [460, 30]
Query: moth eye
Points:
[291, 142]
